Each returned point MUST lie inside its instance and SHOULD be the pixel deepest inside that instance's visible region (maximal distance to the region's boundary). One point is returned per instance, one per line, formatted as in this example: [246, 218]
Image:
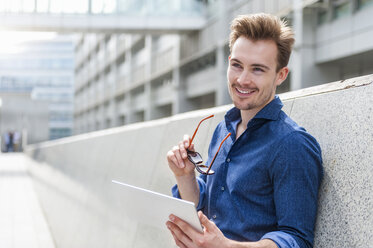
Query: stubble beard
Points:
[258, 102]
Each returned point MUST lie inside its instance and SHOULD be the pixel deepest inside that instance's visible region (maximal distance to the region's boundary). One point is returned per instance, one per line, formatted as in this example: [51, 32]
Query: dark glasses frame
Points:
[196, 158]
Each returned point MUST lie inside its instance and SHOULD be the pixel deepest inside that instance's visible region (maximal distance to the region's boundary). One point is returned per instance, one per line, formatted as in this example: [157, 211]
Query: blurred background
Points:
[71, 67]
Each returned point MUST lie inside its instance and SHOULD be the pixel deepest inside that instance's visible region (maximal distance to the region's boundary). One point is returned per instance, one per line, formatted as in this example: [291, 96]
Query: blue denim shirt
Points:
[266, 182]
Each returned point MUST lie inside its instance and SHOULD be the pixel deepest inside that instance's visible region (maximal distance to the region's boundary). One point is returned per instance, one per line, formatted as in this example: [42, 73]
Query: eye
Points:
[237, 65]
[258, 69]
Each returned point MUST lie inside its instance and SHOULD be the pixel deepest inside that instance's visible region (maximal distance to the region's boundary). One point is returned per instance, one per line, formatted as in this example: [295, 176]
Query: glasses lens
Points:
[194, 157]
[203, 169]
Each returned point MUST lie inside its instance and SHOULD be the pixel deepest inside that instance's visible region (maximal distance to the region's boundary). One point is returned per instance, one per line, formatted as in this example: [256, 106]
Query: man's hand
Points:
[183, 170]
[186, 236]
[177, 158]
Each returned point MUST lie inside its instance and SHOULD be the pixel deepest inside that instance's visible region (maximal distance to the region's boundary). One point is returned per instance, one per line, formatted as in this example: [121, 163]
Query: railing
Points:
[99, 7]
[138, 102]
[163, 94]
[201, 82]
[163, 61]
[121, 85]
[138, 74]
[99, 15]
[189, 45]
[122, 107]
[121, 44]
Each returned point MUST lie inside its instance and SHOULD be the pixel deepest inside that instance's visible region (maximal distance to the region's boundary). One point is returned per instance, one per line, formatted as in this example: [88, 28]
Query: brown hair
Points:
[264, 27]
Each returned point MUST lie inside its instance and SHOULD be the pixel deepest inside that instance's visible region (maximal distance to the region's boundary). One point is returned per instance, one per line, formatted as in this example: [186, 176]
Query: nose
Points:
[244, 78]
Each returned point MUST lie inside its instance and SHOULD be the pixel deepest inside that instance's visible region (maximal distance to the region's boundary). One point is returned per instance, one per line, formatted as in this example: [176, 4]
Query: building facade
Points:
[23, 117]
[127, 78]
[45, 71]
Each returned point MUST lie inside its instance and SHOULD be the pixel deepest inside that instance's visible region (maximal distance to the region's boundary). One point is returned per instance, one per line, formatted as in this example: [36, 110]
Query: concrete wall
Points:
[72, 176]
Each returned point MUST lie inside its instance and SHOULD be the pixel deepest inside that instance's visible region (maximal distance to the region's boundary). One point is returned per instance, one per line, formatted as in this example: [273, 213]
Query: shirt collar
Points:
[269, 112]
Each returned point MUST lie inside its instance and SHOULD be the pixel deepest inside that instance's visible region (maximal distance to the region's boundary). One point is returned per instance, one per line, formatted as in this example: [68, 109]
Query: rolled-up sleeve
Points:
[282, 239]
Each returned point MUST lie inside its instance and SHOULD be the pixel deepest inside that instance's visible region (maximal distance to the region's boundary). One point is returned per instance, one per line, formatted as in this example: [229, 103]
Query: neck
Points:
[246, 116]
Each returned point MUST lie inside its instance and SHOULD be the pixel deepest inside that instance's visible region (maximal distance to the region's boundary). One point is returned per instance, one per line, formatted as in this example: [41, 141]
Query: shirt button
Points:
[214, 217]
[228, 160]
[222, 188]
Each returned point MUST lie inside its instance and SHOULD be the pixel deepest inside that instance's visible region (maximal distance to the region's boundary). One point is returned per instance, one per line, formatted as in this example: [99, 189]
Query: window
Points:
[122, 120]
[364, 3]
[342, 9]
[322, 17]
[55, 133]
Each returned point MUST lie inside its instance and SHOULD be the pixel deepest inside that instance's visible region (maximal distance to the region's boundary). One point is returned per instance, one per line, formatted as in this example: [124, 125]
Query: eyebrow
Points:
[260, 65]
[252, 65]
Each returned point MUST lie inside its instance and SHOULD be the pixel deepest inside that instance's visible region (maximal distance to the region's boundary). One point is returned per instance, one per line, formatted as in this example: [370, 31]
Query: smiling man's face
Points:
[252, 76]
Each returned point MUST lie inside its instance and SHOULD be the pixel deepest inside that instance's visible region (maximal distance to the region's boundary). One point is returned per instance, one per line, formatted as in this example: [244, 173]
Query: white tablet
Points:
[154, 209]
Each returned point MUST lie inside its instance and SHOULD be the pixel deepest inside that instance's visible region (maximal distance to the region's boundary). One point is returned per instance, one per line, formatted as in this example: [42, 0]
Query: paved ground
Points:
[22, 223]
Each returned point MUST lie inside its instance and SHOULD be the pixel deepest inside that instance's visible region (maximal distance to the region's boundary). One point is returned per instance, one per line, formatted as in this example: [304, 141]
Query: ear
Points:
[282, 75]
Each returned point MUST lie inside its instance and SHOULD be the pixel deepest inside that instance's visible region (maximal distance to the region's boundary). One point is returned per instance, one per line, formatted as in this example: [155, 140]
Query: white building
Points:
[25, 116]
[45, 70]
[126, 78]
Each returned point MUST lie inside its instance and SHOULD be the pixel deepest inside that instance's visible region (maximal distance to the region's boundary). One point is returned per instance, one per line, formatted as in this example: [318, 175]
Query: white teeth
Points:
[243, 91]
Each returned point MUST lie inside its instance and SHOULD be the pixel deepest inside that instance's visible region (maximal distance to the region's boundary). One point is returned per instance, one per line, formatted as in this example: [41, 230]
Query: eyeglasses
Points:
[196, 158]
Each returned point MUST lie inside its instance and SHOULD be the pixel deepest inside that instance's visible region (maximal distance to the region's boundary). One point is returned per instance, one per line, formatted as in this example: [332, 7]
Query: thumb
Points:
[191, 148]
[205, 221]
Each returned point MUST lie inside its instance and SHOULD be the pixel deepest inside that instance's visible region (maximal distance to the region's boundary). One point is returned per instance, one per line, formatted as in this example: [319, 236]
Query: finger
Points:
[180, 161]
[183, 151]
[205, 221]
[191, 148]
[173, 162]
[177, 241]
[181, 239]
[171, 158]
[186, 140]
[186, 229]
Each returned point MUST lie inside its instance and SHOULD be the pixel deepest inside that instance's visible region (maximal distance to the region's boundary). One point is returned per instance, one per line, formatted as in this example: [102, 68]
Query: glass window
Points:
[55, 133]
[322, 17]
[364, 3]
[342, 9]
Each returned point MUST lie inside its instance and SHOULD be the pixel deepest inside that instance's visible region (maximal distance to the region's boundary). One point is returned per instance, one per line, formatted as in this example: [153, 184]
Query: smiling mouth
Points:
[244, 92]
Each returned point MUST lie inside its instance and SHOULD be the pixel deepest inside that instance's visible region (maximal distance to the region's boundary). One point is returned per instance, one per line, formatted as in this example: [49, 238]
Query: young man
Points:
[268, 172]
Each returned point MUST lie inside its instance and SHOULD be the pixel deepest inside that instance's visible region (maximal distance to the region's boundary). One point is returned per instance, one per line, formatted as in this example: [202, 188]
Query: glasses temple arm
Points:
[212, 161]
[194, 134]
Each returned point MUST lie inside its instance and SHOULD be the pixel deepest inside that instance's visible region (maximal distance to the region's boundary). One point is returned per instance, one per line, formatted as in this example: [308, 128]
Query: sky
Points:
[10, 41]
